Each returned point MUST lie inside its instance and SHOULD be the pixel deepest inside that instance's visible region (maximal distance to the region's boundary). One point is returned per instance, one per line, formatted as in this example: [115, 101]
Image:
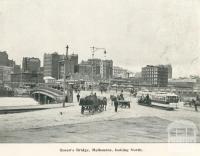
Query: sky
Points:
[134, 33]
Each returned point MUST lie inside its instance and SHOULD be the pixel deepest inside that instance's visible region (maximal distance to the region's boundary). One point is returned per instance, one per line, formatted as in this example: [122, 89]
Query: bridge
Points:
[47, 95]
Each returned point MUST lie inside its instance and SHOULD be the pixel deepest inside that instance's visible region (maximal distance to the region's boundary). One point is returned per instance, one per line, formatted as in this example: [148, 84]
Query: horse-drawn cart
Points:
[121, 101]
[93, 104]
[124, 103]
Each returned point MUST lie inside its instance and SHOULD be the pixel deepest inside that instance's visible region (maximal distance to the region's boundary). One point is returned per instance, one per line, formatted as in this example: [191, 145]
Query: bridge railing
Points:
[50, 89]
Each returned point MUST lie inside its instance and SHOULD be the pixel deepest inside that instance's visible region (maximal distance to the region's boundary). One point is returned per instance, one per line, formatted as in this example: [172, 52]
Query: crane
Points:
[96, 49]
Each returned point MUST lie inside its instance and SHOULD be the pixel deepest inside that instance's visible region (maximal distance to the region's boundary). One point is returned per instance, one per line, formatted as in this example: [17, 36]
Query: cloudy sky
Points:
[134, 32]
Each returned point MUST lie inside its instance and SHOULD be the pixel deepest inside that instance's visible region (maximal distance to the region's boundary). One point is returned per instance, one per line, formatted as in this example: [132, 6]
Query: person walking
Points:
[197, 102]
[78, 97]
[116, 104]
[195, 105]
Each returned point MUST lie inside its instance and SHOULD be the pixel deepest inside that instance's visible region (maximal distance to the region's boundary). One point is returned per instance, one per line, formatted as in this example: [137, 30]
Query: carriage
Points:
[93, 104]
[121, 101]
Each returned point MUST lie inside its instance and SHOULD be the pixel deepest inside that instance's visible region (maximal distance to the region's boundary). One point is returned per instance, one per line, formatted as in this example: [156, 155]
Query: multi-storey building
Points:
[51, 64]
[96, 63]
[120, 72]
[4, 58]
[96, 68]
[54, 65]
[27, 78]
[155, 75]
[17, 69]
[71, 62]
[169, 67]
[73, 58]
[84, 68]
[5, 74]
[106, 69]
[31, 65]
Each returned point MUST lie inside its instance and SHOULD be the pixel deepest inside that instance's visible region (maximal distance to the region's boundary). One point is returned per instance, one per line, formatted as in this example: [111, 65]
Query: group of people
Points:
[78, 96]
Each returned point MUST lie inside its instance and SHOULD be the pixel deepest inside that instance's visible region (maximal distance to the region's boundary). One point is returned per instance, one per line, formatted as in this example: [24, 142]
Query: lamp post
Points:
[64, 75]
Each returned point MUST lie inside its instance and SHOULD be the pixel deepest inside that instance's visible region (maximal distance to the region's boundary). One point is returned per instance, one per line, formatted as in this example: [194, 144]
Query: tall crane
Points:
[96, 49]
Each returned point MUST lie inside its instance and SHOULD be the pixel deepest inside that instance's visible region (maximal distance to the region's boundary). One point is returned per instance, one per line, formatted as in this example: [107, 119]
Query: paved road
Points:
[141, 129]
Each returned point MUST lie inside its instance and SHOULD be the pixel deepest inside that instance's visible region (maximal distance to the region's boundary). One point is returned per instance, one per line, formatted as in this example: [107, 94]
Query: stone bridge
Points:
[47, 95]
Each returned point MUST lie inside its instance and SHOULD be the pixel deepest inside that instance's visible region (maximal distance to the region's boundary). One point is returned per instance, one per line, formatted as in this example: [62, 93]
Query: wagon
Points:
[124, 103]
[93, 104]
[121, 101]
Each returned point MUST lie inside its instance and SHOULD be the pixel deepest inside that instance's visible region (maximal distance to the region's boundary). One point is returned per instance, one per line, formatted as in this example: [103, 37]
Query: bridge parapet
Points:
[47, 92]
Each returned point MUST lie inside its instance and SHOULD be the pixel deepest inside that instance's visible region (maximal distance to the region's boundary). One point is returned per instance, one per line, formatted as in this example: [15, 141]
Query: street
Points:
[137, 124]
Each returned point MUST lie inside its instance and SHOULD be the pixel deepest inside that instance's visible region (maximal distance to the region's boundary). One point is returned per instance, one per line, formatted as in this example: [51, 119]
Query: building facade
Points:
[155, 75]
[169, 67]
[51, 64]
[71, 65]
[120, 72]
[27, 78]
[73, 62]
[186, 88]
[5, 74]
[96, 66]
[4, 58]
[31, 65]
[106, 69]
[84, 68]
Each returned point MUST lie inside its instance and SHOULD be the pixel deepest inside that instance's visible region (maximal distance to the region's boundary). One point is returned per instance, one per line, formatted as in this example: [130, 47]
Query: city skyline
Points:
[134, 33]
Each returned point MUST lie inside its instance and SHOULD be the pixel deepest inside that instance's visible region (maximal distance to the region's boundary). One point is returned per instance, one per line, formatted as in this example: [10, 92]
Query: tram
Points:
[163, 99]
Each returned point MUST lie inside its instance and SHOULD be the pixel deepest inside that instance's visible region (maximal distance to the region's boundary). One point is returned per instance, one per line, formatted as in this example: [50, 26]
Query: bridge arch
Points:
[47, 95]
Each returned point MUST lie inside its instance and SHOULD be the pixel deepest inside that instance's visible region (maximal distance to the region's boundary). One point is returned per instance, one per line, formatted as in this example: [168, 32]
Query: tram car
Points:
[160, 99]
[93, 104]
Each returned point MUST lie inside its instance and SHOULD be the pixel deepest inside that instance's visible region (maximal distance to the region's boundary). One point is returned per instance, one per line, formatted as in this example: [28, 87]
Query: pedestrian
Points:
[78, 97]
[195, 105]
[197, 98]
[121, 96]
[115, 104]
[197, 102]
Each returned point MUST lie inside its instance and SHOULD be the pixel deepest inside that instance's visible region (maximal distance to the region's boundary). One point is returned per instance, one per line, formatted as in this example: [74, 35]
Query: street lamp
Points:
[93, 50]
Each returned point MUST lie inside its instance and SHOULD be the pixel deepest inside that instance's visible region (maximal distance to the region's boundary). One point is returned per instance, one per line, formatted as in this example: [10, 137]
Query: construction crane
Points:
[96, 49]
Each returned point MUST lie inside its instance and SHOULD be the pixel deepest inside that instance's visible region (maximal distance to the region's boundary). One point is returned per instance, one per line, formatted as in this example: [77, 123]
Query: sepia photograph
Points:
[99, 71]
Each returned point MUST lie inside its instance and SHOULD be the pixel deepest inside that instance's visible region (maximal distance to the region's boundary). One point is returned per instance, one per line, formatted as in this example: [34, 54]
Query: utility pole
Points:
[64, 75]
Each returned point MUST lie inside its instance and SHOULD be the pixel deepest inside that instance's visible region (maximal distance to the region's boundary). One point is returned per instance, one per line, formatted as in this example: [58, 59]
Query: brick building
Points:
[31, 65]
[155, 75]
